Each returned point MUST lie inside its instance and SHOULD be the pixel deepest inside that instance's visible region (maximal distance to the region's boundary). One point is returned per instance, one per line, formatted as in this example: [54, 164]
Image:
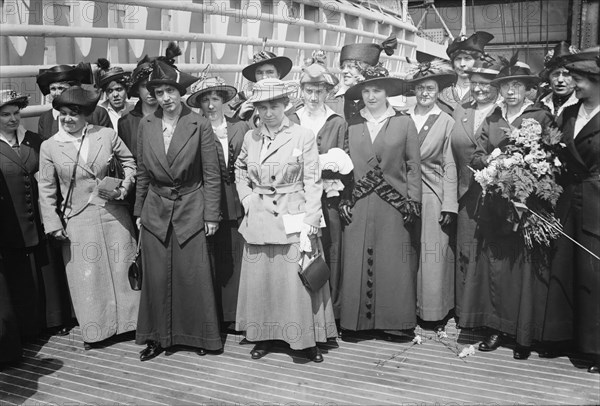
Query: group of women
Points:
[231, 209]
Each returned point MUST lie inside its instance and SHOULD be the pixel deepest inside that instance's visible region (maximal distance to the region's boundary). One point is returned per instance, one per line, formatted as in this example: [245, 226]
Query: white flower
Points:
[557, 162]
[495, 154]
[466, 351]
[417, 340]
[441, 334]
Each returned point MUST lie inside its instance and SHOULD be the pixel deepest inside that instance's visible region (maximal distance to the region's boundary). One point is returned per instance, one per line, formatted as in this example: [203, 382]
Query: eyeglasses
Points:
[428, 89]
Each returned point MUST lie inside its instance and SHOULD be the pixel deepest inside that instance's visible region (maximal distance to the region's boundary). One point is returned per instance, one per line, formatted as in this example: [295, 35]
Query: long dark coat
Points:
[10, 342]
[514, 283]
[227, 245]
[39, 286]
[580, 212]
[380, 252]
[177, 192]
[127, 128]
[48, 126]
[464, 141]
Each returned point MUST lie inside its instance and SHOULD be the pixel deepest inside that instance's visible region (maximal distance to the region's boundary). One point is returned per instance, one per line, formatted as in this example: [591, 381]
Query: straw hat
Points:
[271, 89]
[209, 85]
[11, 97]
[282, 63]
[438, 70]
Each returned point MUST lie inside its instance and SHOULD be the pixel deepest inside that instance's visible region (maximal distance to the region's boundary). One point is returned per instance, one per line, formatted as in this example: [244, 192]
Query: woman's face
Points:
[561, 81]
[116, 93]
[168, 98]
[481, 89]
[427, 93]
[375, 98]
[211, 105]
[314, 95]
[266, 71]
[513, 92]
[71, 121]
[461, 63]
[350, 73]
[584, 88]
[10, 118]
[145, 95]
[271, 112]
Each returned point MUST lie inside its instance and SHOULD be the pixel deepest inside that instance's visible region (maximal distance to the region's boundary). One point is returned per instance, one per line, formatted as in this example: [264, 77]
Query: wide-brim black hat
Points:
[208, 85]
[485, 69]
[107, 73]
[165, 74]
[443, 80]
[282, 63]
[587, 61]
[517, 71]
[368, 53]
[77, 96]
[81, 73]
[555, 58]
[474, 43]
[392, 86]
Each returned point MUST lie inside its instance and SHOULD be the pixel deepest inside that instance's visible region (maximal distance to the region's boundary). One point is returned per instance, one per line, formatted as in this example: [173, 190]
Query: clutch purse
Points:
[135, 269]
[315, 273]
[115, 169]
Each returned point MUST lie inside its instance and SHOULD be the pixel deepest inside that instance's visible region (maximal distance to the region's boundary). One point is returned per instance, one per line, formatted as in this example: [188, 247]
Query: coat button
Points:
[368, 304]
[426, 128]
[274, 201]
[275, 214]
[272, 189]
[370, 283]
[369, 315]
[369, 294]
[273, 177]
[370, 251]
[370, 272]
[370, 261]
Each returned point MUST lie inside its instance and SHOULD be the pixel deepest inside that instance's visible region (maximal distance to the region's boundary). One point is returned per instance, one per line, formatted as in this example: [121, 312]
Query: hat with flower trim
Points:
[378, 76]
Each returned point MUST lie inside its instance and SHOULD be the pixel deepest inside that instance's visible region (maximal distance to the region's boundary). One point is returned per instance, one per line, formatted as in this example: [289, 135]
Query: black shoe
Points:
[87, 346]
[62, 331]
[491, 342]
[521, 352]
[151, 351]
[261, 349]
[201, 352]
[594, 369]
[550, 354]
[314, 354]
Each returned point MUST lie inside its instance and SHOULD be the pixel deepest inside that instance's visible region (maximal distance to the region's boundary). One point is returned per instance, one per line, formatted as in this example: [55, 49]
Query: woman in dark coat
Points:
[381, 212]
[469, 119]
[227, 245]
[330, 129]
[514, 286]
[178, 205]
[581, 133]
[21, 234]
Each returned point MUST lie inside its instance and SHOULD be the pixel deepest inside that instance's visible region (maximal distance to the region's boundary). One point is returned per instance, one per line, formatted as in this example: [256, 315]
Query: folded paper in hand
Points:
[107, 184]
[292, 223]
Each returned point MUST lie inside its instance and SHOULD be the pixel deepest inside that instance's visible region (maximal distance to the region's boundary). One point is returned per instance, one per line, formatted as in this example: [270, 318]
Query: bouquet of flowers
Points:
[524, 172]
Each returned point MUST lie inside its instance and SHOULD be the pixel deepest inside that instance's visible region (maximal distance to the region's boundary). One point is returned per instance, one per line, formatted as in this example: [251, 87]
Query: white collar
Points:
[63, 136]
[55, 113]
[108, 107]
[582, 112]
[434, 111]
[366, 114]
[20, 135]
[221, 126]
[328, 112]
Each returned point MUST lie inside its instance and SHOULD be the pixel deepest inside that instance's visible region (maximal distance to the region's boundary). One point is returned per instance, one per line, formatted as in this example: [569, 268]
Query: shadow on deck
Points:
[366, 370]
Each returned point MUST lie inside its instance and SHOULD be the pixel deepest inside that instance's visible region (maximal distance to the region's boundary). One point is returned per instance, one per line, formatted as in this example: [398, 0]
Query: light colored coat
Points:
[286, 181]
[58, 158]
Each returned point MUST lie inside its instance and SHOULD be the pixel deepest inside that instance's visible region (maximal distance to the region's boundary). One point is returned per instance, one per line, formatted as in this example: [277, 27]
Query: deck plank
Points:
[58, 371]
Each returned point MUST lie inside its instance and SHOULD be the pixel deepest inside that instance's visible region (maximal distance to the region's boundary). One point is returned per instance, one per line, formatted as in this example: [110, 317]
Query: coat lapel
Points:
[94, 149]
[156, 141]
[427, 127]
[7, 151]
[592, 127]
[280, 140]
[186, 127]
[568, 128]
[467, 121]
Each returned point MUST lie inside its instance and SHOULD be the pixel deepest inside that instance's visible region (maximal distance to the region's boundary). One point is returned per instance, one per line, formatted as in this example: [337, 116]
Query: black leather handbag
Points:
[135, 269]
[115, 169]
[315, 272]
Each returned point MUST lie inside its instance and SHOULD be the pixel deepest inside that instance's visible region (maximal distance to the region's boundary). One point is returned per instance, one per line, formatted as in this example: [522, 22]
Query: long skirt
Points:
[59, 309]
[227, 248]
[381, 260]
[273, 304]
[332, 245]
[467, 282]
[10, 342]
[97, 256]
[435, 279]
[178, 305]
[514, 281]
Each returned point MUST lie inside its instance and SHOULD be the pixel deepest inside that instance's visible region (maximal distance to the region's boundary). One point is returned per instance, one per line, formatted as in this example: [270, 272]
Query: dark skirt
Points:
[177, 305]
[227, 248]
[10, 342]
[332, 246]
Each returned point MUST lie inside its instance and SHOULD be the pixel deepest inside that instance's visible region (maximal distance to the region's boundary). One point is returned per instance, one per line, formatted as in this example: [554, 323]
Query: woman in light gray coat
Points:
[98, 238]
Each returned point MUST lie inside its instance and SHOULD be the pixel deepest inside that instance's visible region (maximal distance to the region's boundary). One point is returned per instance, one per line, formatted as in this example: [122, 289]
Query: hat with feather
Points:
[473, 44]
[144, 67]
[555, 58]
[368, 53]
[107, 73]
[377, 76]
[437, 70]
[514, 69]
[315, 71]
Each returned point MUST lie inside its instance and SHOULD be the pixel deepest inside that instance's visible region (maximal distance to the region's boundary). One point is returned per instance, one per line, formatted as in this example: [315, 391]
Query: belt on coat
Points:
[172, 192]
[278, 189]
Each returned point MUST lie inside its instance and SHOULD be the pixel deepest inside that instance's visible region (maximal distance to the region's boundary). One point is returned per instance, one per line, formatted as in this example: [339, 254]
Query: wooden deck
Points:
[367, 370]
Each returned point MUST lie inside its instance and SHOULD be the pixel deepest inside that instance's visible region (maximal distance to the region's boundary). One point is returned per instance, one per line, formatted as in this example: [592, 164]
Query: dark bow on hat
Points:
[389, 45]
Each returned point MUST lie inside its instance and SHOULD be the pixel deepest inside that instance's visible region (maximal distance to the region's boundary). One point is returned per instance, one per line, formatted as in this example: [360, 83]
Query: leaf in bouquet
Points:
[552, 136]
